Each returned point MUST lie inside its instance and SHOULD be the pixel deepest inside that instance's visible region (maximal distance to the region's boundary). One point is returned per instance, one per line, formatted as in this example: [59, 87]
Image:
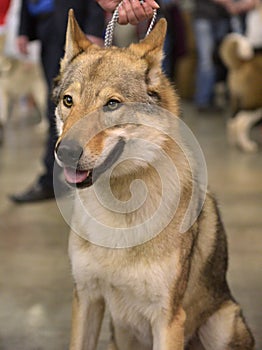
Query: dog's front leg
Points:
[87, 318]
[169, 334]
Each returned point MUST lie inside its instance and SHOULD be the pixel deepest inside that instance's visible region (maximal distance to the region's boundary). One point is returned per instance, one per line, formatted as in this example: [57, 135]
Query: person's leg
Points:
[205, 75]
[51, 54]
[167, 62]
[175, 42]
[221, 28]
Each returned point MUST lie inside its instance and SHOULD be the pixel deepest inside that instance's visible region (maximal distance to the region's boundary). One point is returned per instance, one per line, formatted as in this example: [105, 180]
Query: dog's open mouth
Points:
[78, 178]
[86, 178]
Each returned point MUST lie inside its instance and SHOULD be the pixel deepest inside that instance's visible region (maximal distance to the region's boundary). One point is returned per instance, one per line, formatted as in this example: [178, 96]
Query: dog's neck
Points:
[130, 209]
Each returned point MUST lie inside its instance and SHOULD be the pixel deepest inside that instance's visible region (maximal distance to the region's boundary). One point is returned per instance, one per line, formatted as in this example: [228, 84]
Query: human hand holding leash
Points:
[130, 11]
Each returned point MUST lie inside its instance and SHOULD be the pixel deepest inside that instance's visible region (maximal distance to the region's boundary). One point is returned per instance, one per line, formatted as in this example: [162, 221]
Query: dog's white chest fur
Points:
[129, 285]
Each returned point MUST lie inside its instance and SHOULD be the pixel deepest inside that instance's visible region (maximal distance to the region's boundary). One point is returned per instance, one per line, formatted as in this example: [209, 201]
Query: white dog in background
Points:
[18, 79]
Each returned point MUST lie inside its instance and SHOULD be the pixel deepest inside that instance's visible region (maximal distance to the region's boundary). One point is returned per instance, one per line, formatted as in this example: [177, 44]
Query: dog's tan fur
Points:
[244, 82]
[170, 292]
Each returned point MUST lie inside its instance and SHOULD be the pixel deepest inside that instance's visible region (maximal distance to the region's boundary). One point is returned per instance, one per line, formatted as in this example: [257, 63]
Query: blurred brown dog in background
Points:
[245, 88]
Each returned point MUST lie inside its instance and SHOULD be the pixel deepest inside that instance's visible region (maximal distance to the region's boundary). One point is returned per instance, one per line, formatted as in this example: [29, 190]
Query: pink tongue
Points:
[75, 176]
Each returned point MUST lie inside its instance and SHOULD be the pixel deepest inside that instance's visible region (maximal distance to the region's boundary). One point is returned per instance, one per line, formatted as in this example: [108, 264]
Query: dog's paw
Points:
[239, 128]
[248, 146]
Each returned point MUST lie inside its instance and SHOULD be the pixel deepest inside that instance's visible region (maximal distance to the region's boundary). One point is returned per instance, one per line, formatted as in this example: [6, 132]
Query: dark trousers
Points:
[52, 50]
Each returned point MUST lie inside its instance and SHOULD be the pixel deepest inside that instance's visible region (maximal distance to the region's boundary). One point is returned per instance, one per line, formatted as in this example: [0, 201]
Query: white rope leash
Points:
[111, 25]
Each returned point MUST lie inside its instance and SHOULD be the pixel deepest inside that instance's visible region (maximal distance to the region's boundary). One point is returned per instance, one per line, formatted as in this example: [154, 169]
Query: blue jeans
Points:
[208, 35]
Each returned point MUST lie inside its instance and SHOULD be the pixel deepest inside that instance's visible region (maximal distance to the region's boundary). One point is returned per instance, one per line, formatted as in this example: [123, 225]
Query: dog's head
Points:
[95, 83]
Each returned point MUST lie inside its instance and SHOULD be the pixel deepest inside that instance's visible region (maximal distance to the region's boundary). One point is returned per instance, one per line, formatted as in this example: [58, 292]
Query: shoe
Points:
[35, 193]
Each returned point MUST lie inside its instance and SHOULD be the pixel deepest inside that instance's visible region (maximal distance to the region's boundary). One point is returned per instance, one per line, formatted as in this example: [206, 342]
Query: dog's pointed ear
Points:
[151, 48]
[76, 40]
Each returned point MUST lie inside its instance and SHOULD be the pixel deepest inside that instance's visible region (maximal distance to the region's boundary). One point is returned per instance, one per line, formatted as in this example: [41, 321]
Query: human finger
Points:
[122, 15]
[134, 11]
[148, 10]
[151, 3]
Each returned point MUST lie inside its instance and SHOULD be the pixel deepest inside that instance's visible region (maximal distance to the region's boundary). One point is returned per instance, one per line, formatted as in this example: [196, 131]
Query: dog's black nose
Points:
[69, 152]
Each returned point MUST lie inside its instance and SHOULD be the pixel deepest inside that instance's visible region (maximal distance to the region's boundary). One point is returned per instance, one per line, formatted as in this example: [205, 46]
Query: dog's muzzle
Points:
[68, 155]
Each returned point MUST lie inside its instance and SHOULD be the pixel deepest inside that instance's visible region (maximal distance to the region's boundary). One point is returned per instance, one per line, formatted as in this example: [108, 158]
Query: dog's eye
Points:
[154, 95]
[112, 105]
[68, 101]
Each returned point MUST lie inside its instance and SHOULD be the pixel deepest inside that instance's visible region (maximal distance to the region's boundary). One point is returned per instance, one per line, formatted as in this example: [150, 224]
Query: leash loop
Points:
[111, 25]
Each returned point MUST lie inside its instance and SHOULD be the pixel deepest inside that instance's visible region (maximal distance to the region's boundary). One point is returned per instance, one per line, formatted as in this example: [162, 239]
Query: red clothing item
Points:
[4, 6]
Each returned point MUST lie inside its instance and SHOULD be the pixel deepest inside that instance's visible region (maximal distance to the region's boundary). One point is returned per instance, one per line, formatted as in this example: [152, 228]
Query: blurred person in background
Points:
[254, 26]
[46, 21]
[241, 8]
[211, 24]
[175, 41]
[212, 21]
